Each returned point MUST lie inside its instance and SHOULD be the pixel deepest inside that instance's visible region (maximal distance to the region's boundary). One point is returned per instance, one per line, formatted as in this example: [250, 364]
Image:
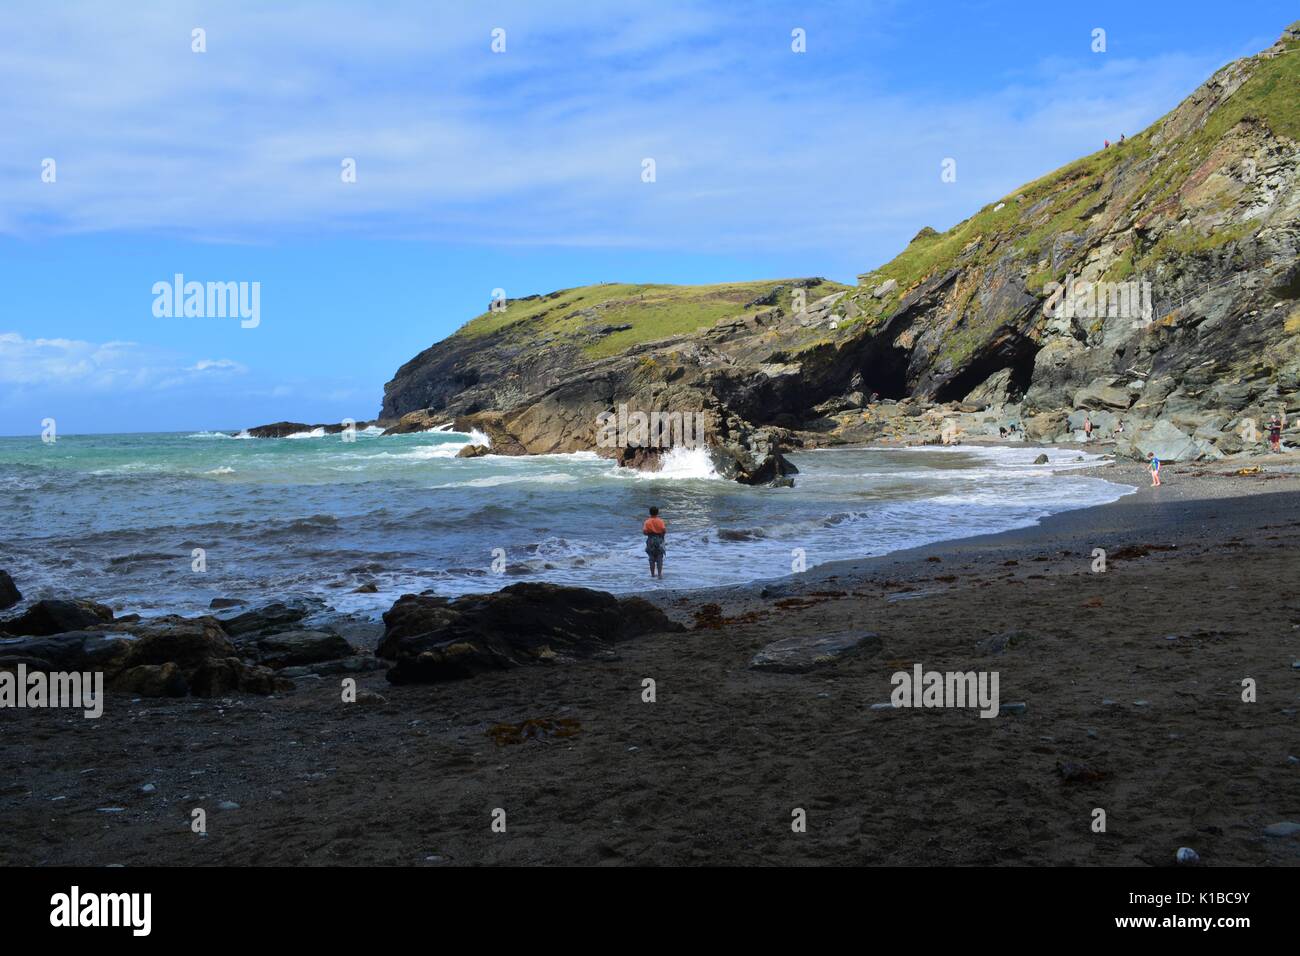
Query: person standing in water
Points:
[654, 530]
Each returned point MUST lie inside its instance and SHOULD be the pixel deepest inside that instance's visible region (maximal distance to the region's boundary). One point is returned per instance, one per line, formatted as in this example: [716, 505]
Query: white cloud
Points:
[53, 365]
[756, 148]
[217, 365]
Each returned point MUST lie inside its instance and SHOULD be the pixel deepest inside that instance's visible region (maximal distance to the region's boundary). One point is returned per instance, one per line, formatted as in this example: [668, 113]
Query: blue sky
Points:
[519, 170]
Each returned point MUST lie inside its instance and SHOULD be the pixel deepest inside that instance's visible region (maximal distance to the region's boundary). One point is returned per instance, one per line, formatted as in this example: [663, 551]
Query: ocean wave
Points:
[141, 556]
[493, 481]
[472, 437]
[680, 464]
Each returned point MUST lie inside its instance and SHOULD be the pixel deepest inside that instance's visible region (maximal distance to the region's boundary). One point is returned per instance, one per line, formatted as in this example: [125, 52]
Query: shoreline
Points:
[1186, 482]
[1134, 675]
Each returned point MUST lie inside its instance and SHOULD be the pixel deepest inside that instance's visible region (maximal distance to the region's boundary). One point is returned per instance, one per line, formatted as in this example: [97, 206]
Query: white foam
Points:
[422, 453]
[494, 480]
[679, 464]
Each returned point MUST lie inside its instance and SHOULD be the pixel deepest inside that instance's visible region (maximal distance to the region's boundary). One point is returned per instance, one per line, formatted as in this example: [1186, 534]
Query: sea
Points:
[165, 523]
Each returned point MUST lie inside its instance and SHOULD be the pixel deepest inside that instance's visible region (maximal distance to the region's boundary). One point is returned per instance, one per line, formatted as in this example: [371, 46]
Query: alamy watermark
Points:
[1080, 299]
[922, 688]
[75, 908]
[213, 300]
[624, 429]
[54, 689]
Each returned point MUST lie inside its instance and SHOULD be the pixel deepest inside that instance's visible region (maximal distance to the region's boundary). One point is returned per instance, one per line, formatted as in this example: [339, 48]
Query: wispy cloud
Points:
[216, 365]
[55, 365]
[755, 146]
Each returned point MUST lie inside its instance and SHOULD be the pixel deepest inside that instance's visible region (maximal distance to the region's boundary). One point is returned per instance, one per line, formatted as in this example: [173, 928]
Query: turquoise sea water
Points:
[117, 518]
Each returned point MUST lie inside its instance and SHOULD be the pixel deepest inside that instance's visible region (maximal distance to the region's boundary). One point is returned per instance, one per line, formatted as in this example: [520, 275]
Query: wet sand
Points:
[1199, 593]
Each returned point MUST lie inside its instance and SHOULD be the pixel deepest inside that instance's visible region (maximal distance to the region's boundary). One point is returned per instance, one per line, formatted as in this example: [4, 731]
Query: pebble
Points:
[1293, 759]
[885, 706]
[1092, 733]
[1283, 829]
[1186, 854]
[148, 788]
[1019, 707]
[227, 805]
[110, 809]
[1106, 702]
[1141, 703]
[633, 749]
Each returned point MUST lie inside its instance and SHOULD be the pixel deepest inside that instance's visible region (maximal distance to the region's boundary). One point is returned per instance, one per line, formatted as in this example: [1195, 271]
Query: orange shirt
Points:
[654, 525]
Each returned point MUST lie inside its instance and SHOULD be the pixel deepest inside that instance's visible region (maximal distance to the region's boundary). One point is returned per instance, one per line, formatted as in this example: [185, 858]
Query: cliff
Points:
[1153, 282]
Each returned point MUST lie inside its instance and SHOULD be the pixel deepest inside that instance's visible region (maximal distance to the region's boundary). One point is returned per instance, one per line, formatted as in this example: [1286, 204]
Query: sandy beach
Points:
[1131, 680]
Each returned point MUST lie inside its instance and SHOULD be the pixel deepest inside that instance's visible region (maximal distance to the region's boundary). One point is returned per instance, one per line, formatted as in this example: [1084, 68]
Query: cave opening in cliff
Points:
[1017, 356]
[884, 372]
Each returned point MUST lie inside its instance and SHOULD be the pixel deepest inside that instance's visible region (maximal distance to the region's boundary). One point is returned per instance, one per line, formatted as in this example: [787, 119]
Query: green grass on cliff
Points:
[653, 311]
[1022, 227]
[1027, 222]
[1271, 95]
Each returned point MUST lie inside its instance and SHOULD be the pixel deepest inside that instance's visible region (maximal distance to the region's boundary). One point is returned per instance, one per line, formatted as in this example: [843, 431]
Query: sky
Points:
[128, 156]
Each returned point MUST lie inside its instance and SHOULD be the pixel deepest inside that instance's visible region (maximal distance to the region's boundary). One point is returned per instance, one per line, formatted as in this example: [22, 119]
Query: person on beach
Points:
[1275, 433]
[1154, 462]
[654, 530]
[1087, 428]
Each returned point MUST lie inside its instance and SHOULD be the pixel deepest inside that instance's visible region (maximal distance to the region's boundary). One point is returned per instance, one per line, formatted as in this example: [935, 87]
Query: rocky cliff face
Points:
[1153, 283]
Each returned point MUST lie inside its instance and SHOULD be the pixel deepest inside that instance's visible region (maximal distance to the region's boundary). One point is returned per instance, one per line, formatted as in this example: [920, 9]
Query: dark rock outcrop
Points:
[160, 657]
[71, 651]
[219, 677]
[263, 620]
[186, 642]
[285, 429]
[297, 648]
[57, 617]
[153, 680]
[9, 594]
[433, 639]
